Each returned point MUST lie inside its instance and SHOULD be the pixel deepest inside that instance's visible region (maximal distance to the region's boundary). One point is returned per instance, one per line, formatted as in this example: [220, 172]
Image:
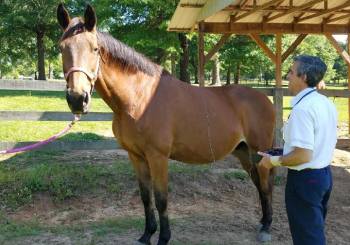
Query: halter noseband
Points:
[90, 75]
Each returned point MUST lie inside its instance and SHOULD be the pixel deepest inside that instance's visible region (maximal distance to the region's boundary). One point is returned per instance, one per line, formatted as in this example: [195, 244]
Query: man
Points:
[310, 139]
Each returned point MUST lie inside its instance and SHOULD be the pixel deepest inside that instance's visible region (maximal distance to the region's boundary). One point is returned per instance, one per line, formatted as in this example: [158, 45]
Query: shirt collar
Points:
[300, 95]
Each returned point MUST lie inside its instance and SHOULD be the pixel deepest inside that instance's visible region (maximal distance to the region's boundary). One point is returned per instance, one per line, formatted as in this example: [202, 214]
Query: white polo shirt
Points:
[312, 125]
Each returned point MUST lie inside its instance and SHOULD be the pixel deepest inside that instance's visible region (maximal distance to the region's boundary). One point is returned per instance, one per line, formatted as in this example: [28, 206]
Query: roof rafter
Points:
[339, 18]
[257, 8]
[294, 9]
[327, 11]
[243, 3]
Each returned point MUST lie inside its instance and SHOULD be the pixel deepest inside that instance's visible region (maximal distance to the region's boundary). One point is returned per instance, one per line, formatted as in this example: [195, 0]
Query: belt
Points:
[307, 169]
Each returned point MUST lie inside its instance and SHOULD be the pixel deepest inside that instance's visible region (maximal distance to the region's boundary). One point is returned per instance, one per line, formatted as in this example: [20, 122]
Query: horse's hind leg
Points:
[145, 184]
[243, 154]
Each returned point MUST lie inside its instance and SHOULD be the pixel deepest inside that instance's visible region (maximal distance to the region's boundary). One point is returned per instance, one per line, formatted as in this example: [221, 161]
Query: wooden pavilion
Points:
[259, 17]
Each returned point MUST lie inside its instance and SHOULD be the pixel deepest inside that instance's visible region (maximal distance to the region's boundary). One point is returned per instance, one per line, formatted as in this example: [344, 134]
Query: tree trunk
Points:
[195, 68]
[237, 73]
[173, 64]
[184, 58]
[41, 54]
[50, 70]
[228, 76]
[216, 71]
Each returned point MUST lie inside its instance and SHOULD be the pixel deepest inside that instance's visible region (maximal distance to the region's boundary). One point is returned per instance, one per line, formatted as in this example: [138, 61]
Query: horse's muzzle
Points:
[78, 103]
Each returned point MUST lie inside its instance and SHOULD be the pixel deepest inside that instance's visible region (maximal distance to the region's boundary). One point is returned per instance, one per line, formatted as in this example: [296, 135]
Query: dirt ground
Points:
[204, 208]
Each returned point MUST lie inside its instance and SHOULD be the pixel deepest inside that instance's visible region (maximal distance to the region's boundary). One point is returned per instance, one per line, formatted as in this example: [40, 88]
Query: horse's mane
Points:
[125, 55]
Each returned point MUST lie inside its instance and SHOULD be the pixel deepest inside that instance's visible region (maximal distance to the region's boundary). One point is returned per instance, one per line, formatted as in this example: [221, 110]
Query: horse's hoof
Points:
[139, 243]
[258, 227]
[264, 236]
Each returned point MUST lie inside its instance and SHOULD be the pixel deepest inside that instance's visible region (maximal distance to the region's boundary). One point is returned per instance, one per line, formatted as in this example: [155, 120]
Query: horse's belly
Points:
[203, 152]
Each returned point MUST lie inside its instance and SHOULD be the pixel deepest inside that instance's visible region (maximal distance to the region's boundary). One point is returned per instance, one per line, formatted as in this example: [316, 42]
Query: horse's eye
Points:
[95, 49]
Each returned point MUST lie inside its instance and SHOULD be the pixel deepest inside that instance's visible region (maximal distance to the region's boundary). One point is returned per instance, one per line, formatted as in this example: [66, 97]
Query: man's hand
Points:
[265, 162]
[264, 167]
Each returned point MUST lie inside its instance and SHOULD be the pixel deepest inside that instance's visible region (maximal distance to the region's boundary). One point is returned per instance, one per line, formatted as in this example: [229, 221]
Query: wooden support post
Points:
[201, 57]
[278, 95]
[348, 44]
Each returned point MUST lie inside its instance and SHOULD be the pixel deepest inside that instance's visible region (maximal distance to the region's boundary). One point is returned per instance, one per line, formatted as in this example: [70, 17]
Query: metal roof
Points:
[231, 16]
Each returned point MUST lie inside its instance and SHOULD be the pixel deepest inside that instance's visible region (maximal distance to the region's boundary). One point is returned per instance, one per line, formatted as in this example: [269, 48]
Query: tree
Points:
[31, 20]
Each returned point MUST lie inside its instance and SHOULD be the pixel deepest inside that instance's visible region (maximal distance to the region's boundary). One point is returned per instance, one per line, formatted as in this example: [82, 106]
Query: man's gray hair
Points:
[311, 66]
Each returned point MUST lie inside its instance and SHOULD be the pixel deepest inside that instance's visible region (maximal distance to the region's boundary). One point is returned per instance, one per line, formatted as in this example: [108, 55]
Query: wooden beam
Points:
[263, 46]
[217, 46]
[294, 9]
[201, 63]
[278, 60]
[339, 18]
[273, 28]
[257, 8]
[327, 11]
[281, 9]
[292, 47]
[243, 3]
[339, 49]
[348, 48]
[278, 96]
[180, 29]
[189, 5]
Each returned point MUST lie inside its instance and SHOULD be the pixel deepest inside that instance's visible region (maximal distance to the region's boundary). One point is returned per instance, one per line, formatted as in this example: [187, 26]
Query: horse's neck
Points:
[126, 91]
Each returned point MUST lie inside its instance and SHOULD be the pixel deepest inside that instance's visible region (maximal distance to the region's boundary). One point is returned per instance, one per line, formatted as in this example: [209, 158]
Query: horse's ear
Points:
[90, 18]
[63, 16]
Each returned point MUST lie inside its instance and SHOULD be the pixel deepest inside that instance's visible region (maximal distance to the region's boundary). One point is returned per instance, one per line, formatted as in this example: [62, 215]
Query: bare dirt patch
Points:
[204, 207]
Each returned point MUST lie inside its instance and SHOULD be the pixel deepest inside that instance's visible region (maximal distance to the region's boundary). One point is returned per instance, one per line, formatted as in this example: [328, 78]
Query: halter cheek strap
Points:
[90, 75]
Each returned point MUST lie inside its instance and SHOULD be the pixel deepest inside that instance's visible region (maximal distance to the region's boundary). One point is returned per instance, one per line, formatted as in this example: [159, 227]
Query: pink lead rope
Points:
[44, 142]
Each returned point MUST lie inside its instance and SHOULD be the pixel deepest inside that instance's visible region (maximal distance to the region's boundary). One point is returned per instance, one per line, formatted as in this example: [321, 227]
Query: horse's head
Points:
[80, 57]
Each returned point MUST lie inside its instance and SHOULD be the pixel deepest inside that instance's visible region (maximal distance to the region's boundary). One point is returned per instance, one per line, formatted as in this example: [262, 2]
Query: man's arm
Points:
[296, 157]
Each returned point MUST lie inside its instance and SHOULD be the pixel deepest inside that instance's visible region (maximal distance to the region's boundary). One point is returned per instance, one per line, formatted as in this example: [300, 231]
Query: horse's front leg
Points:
[145, 184]
[159, 170]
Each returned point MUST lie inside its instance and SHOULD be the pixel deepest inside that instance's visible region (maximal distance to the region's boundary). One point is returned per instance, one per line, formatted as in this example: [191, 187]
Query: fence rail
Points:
[36, 85]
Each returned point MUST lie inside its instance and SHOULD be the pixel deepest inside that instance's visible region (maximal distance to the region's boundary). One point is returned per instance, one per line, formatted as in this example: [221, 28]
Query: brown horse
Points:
[157, 117]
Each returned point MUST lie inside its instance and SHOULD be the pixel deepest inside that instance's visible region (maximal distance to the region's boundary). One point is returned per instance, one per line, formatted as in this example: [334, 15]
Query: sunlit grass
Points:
[16, 131]
[42, 101]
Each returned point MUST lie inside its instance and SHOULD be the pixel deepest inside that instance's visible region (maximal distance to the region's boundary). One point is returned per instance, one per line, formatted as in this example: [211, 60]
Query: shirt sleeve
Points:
[302, 129]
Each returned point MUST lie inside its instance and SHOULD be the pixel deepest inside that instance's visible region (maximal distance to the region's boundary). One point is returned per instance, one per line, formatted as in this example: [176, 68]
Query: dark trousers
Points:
[307, 194]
